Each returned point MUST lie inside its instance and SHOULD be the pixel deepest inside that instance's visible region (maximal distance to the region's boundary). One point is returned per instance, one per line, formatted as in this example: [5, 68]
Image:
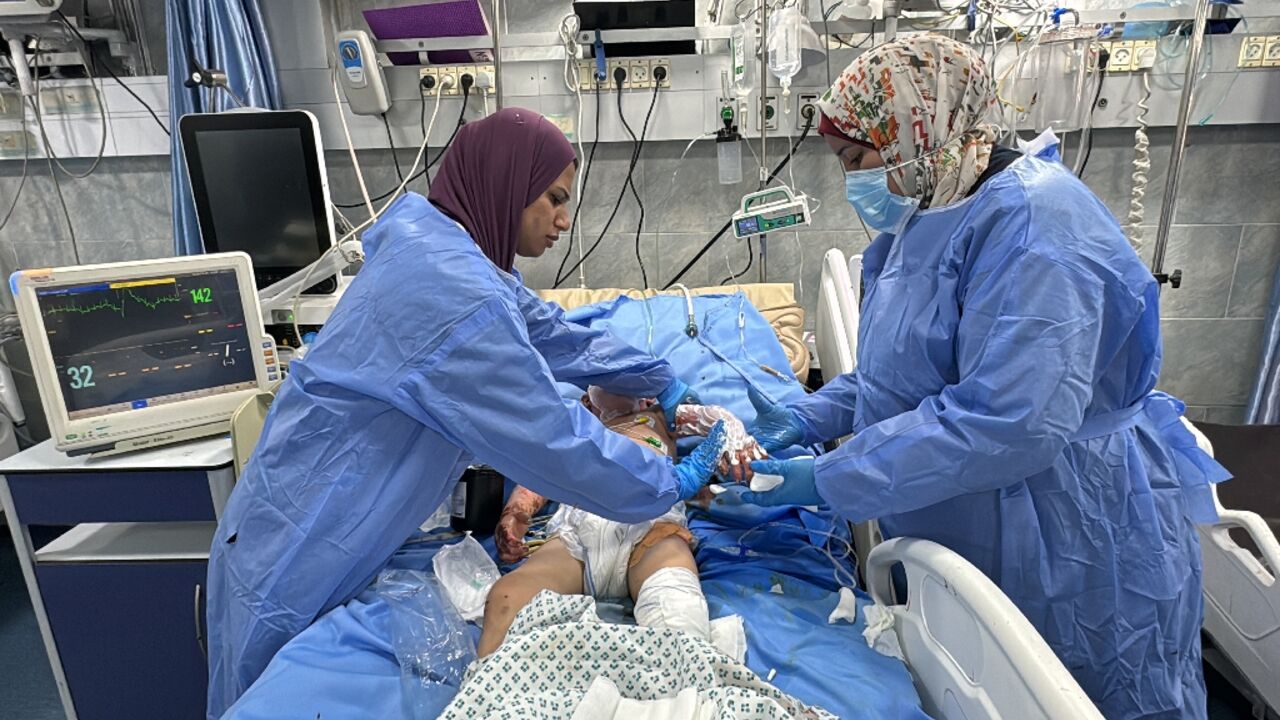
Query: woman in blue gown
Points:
[1003, 401]
[435, 357]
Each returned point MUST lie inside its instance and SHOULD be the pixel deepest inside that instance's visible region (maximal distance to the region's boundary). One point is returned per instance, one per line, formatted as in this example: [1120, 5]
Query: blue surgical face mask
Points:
[879, 207]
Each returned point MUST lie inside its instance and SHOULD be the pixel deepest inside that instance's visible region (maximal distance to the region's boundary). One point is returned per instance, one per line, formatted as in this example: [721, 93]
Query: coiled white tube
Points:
[1141, 166]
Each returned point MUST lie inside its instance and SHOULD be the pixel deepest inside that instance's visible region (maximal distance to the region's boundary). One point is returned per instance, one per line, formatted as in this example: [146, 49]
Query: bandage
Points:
[672, 598]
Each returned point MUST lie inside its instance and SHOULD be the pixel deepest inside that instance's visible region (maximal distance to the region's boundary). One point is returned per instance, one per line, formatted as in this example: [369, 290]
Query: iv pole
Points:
[1179, 148]
[763, 46]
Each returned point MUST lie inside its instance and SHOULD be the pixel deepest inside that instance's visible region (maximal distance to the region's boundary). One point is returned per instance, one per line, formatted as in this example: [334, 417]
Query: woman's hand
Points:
[510, 536]
[514, 524]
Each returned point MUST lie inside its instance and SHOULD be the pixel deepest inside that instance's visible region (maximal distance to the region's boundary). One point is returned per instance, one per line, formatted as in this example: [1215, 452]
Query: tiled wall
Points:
[1226, 239]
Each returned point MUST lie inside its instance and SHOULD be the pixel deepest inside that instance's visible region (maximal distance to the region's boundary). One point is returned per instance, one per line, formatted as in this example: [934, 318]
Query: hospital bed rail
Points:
[1241, 588]
[972, 653]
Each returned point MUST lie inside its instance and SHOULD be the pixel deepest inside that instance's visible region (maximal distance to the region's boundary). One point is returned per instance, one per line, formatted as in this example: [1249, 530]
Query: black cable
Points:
[635, 157]
[423, 171]
[1097, 95]
[635, 150]
[392, 144]
[586, 177]
[105, 66]
[804, 133]
[751, 258]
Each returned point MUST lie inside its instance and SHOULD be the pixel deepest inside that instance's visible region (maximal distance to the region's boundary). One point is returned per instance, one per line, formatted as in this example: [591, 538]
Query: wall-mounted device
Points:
[138, 354]
[439, 21]
[260, 187]
[770, 210]
[362, 77]
[638, 15]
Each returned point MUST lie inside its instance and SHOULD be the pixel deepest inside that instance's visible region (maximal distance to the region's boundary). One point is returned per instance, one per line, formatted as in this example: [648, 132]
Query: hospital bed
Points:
[967, 651]
[1241, 592]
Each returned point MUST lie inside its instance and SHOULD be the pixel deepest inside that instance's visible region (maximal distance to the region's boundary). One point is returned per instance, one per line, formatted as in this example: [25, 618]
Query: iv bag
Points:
[786, 38]
[743, 51]
[1066, 82]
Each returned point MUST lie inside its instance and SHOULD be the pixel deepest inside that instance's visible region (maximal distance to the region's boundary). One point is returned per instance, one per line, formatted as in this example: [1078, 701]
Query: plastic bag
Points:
[431, 641]
[467, 573]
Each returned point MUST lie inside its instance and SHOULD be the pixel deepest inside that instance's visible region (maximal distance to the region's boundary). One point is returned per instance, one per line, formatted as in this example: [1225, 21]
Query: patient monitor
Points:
[132, 355]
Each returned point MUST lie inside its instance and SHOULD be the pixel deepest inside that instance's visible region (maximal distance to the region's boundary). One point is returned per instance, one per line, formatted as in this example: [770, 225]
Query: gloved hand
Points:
[797, 486]
[695, 471]
[776, 426]
[677, 393]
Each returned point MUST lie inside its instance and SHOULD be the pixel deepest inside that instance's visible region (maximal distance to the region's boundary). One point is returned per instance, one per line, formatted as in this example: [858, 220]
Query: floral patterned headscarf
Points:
[925, 96]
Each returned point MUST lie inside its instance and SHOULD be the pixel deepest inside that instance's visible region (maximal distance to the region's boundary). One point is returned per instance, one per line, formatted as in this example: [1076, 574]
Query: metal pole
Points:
[497, 54]
[763, 45]
[1180, 137]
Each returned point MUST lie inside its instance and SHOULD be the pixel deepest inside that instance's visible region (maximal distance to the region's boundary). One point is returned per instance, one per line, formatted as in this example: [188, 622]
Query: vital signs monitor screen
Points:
[149, 341]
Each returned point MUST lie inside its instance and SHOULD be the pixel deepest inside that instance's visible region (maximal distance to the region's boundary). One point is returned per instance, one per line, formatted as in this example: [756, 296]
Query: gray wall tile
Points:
[1206, 254]
[1230, 176]
[1210, 362]
[1256, 271]
[124, 199]
[1225, 414]
[695, 201]
[605, 186]
[1109, 173]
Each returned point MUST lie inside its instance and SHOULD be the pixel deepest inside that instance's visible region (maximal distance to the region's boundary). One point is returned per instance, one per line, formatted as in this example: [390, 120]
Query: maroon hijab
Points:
[496, 168]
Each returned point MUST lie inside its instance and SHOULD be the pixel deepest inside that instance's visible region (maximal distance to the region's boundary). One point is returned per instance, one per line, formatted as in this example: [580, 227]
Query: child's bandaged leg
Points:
[672, 598]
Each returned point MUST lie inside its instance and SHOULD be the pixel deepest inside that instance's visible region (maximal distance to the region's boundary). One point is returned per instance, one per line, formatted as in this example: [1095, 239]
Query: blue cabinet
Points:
[119, 598]
[127, 636]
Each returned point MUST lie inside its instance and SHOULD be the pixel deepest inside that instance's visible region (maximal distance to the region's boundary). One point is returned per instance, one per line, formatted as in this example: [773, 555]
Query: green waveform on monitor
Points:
[148, 303]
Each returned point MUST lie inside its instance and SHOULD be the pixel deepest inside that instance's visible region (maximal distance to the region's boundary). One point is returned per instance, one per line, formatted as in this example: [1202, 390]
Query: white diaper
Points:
[604, 546]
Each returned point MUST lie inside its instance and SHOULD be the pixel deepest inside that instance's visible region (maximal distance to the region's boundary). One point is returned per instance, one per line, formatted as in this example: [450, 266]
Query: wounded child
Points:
[651, 562]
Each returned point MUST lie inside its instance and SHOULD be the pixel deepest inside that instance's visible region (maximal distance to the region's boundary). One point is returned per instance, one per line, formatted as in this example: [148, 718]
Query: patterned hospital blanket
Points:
[560, 662]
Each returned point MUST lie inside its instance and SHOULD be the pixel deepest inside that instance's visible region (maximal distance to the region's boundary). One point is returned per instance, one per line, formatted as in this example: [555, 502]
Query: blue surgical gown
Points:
[1002, 406]
[432, 358]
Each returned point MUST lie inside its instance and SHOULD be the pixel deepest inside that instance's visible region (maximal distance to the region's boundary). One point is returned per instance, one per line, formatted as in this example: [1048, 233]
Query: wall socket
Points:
[11, 144]
[770, 113]
[806, 100]
[1253, 51]
[456, 72]
[10, 105]
[68, 100]
[639, 74]
[1271, 55]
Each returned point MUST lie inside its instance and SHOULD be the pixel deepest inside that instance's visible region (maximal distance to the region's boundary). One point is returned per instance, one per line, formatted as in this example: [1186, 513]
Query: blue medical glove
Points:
[677, 393]
[696, 469]
[776, 426]
[797, 486]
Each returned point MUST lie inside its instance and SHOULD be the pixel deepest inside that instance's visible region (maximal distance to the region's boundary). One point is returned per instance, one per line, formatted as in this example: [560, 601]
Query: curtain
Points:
[227, 35]
[1264, 405]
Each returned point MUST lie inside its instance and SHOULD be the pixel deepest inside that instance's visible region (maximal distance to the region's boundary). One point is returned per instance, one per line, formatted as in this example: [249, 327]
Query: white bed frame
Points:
[971, 652]
[1242, 601]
